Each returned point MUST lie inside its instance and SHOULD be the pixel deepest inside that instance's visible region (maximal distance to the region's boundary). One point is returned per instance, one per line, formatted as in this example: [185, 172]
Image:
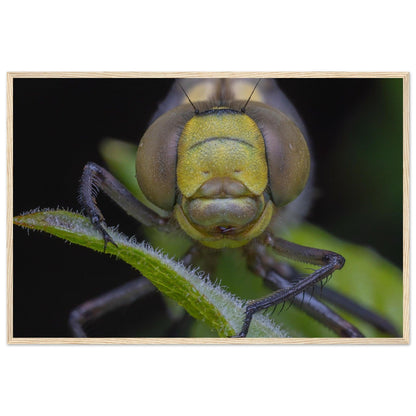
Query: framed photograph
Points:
[208, 208]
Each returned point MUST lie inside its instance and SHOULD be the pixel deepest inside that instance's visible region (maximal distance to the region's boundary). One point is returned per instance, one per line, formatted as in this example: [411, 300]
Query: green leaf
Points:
[191, 288]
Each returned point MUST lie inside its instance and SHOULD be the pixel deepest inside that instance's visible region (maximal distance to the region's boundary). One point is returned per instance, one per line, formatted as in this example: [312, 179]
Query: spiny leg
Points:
[329, 261]
[95, 178]
[268, 268]
[341, 301]
[318, 310]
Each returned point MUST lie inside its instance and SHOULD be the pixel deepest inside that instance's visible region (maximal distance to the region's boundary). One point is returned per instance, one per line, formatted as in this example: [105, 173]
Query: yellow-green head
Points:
[223, 171]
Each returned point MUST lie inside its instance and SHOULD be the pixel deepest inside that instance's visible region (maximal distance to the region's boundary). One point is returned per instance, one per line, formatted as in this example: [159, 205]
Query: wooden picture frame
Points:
[47, 126]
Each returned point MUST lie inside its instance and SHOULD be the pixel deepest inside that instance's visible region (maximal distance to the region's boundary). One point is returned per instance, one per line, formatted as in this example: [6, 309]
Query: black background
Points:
[58, 124]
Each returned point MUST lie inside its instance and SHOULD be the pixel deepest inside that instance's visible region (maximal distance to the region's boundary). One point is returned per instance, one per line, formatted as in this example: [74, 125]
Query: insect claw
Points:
[105, 245]
[99, 224]
[107, 239]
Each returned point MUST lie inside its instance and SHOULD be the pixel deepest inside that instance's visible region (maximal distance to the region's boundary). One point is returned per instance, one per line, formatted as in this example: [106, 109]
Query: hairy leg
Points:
[328, 260]
[95, 178]
[273, 273]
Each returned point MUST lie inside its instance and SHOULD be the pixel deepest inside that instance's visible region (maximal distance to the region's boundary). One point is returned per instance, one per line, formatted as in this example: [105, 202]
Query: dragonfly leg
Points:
[328, 260]
[337, 299]
[95, 178]
[93, 309]
[272, 272]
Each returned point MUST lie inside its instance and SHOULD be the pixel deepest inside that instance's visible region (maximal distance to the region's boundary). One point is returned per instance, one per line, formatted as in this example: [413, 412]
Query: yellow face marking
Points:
[222, 144]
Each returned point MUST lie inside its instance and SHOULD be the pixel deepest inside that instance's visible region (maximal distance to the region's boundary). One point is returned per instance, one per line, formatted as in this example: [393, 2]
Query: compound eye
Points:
[157, 154]
[287, 152]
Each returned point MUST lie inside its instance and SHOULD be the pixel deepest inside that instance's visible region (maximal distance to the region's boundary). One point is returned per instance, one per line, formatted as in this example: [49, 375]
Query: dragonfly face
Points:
[223, 170]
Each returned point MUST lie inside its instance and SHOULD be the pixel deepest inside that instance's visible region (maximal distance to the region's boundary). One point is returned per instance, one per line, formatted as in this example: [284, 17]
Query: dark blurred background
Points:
[355, 126]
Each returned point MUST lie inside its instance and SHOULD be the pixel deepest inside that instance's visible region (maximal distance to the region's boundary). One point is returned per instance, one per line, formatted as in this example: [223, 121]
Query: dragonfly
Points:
[227, 162]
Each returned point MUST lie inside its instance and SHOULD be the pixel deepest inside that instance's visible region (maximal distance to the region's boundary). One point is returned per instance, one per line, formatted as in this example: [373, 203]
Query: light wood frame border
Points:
[406, 234]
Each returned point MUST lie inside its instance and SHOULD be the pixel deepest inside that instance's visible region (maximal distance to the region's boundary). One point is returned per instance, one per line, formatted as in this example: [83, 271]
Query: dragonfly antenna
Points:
[243, 109]
[187, 96]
